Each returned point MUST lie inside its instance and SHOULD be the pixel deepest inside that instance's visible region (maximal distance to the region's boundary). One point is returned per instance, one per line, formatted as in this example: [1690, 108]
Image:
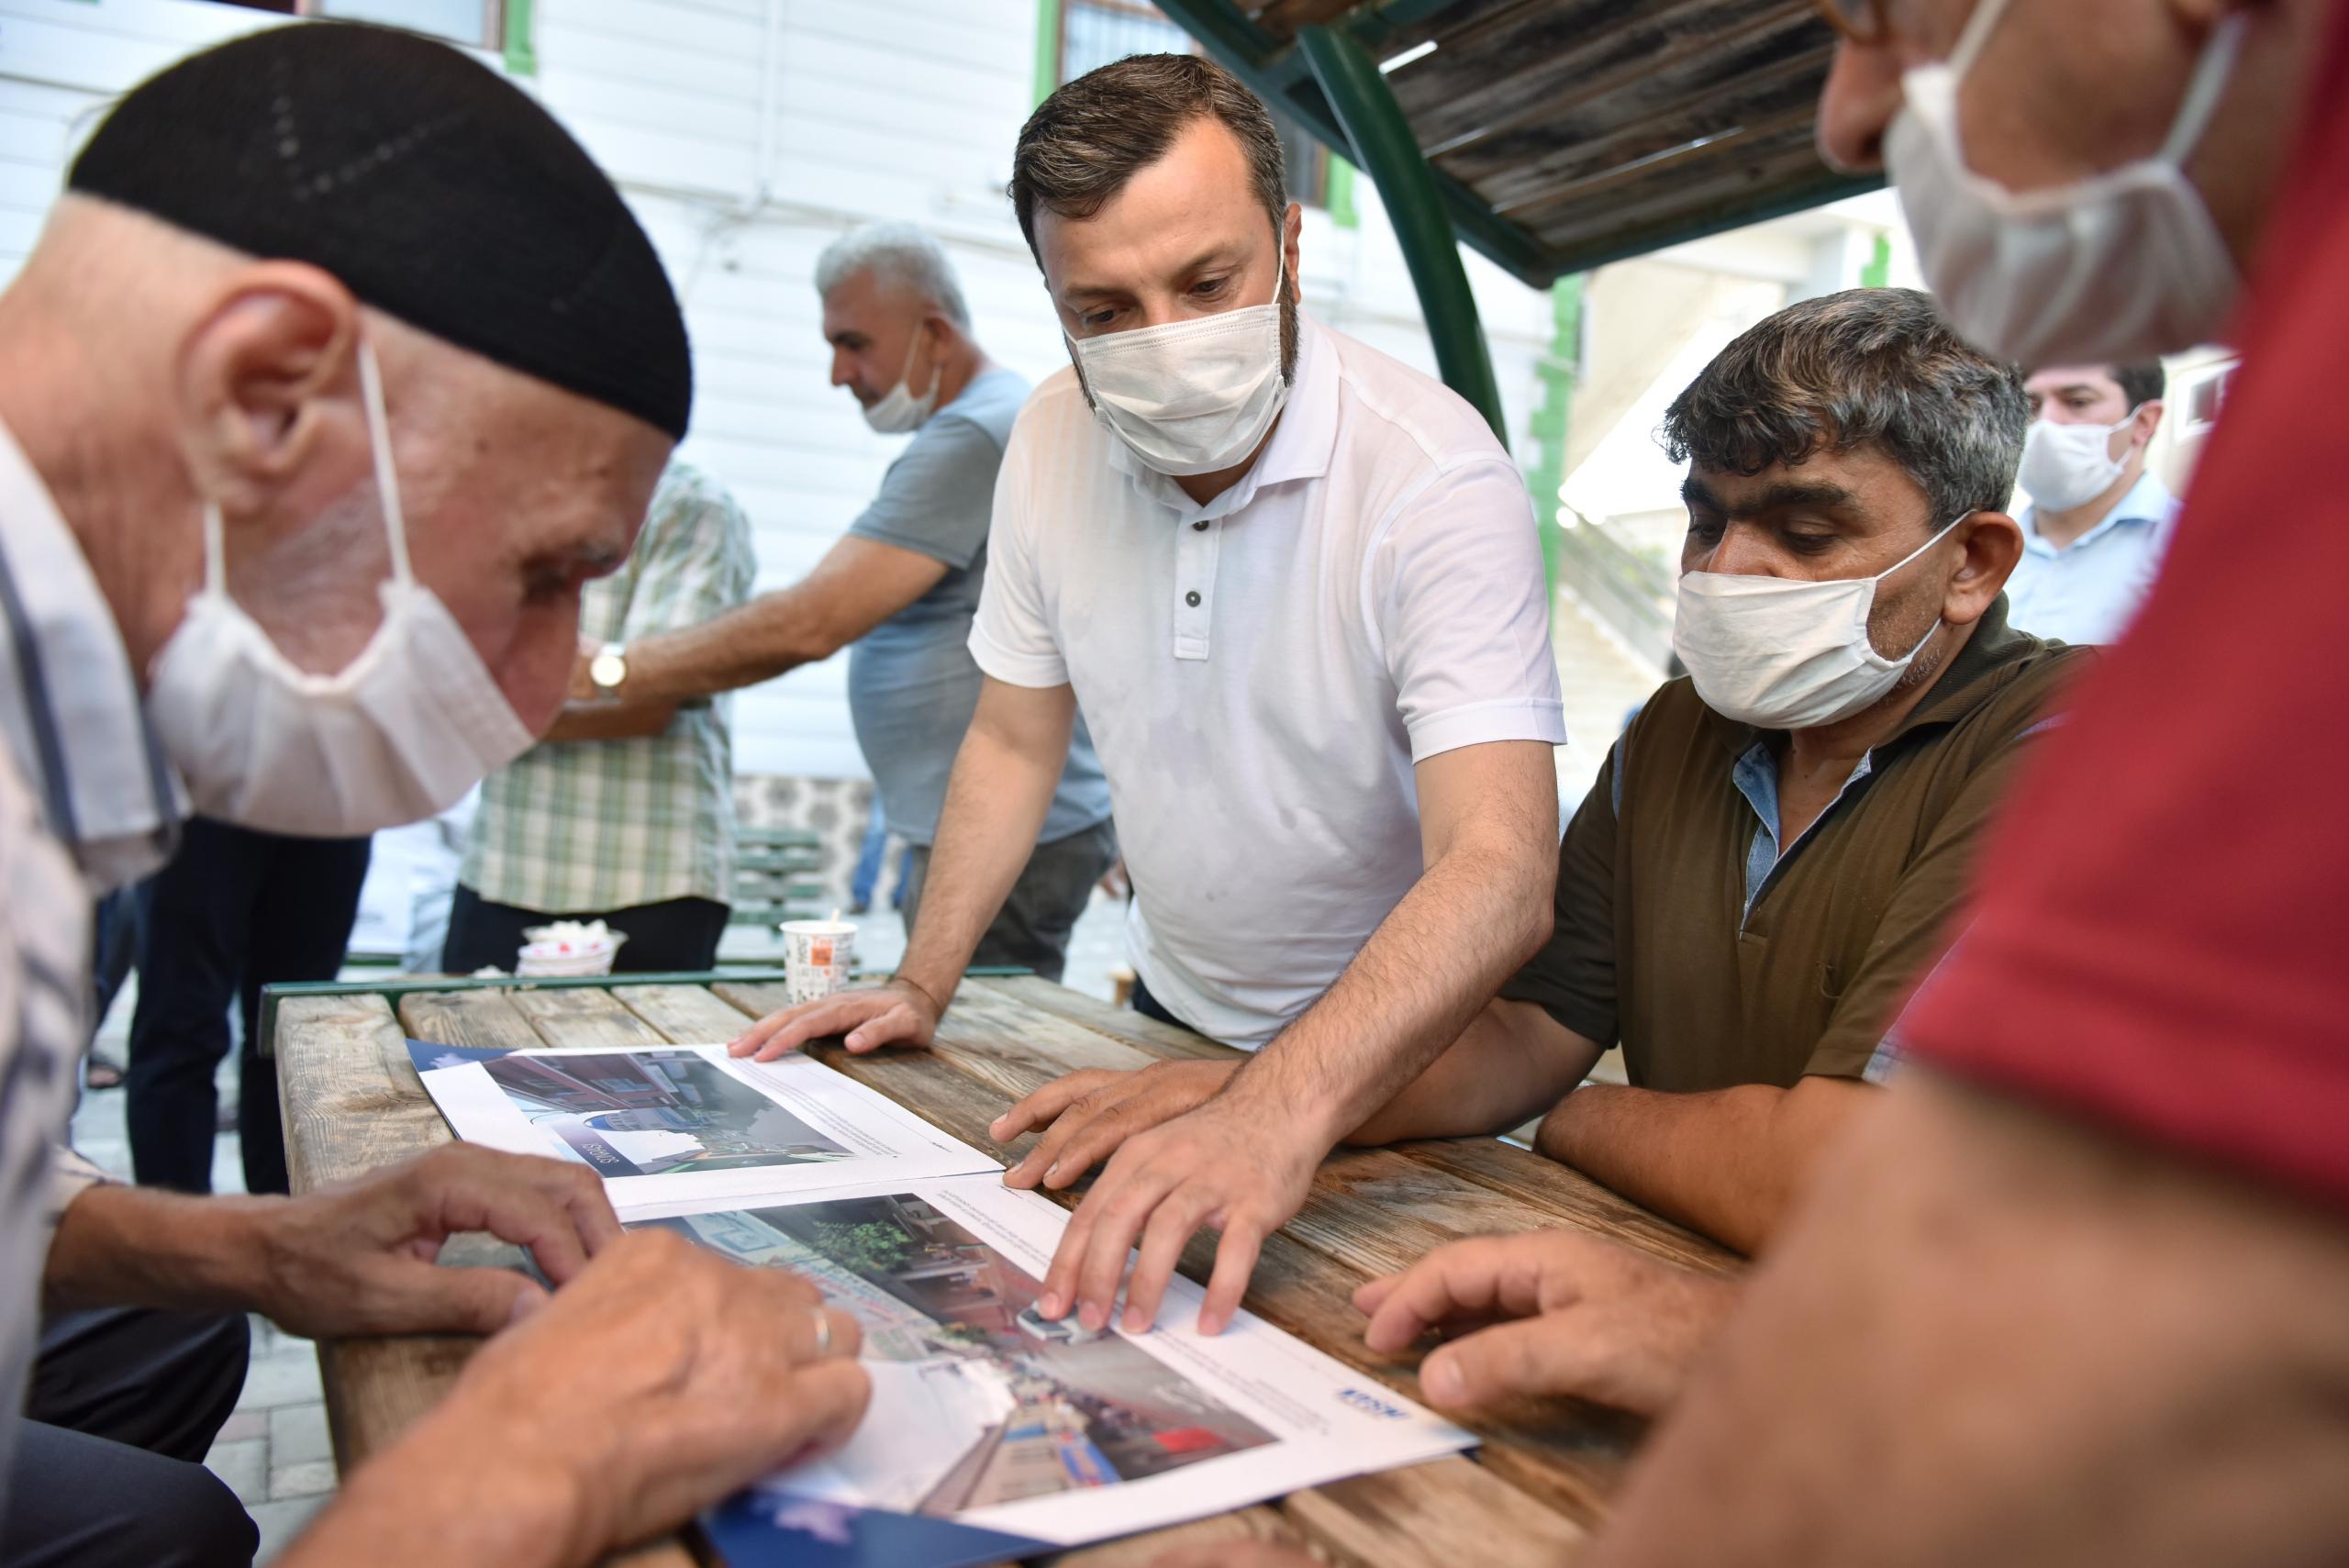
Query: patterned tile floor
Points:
[274, 1452]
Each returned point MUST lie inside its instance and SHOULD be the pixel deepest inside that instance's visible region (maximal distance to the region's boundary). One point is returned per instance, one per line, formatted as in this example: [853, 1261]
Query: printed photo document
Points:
[993, 1432]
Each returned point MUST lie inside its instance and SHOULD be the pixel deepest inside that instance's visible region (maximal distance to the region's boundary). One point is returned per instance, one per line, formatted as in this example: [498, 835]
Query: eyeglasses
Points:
[1861, 21]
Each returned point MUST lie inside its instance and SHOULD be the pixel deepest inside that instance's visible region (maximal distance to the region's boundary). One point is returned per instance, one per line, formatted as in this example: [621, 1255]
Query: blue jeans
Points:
[867, 879]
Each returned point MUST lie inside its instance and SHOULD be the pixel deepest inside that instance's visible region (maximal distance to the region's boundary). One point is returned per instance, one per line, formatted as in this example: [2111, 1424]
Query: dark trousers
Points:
[235, 910]
[109, 1471]
[1150, 1007]
[673, 936]
[1031, 929]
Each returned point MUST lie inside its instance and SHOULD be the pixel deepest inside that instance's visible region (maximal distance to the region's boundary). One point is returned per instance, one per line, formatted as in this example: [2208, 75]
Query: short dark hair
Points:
[2142, 384]
[1088, 139]
[1867, 367]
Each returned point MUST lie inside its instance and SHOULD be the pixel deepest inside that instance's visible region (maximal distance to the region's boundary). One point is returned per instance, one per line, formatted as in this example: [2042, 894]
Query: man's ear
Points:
[1292, 233]
[1993, 543]
[2149, 419]
[264, 378]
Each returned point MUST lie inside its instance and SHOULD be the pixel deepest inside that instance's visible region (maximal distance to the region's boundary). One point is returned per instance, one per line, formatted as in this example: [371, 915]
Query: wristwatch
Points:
[609, 668]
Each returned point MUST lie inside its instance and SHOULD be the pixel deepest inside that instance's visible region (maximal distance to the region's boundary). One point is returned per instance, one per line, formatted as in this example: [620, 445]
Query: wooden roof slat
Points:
[1514, 174]
[1680, 59]
[1673, 195]
[1764, 141]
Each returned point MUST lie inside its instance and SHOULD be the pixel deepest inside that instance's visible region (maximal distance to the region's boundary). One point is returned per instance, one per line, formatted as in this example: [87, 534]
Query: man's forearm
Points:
[1725, 1162]
[122, 1246]
[996, 800]
[1437, 958]
[630, 720]
[1513, 1061]
[753, 642]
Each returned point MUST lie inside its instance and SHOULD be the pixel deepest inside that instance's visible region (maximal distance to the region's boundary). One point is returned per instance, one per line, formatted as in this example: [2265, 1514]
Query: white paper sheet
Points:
[984, 1413]
[687, 1122]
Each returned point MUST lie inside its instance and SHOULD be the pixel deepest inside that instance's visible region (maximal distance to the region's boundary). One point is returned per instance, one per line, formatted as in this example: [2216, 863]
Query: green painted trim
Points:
[521, 43]
[1047, 50]
[1338, 197]
[1558, 372]
[391, 990]
[1386, 150]
[1877, 274]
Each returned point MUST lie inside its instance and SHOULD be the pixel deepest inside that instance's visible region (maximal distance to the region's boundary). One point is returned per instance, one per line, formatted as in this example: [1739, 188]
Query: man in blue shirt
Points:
[2098, 520]
[901, 586]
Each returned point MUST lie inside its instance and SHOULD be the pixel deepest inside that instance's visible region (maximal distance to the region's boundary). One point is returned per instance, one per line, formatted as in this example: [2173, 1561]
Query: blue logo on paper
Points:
[1372, 1404]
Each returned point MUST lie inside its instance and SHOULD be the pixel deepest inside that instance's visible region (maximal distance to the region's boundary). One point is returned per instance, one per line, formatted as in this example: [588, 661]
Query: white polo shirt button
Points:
[1192, 598]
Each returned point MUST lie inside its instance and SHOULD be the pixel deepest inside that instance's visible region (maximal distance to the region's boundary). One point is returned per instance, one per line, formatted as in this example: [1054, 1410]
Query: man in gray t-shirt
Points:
[901, 587]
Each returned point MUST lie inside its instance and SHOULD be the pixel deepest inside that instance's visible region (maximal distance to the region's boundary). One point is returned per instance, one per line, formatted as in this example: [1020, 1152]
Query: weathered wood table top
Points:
[1543, 1477]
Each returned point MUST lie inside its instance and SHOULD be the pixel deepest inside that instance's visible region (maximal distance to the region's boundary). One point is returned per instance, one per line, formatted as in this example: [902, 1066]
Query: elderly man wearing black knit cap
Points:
[337, 370]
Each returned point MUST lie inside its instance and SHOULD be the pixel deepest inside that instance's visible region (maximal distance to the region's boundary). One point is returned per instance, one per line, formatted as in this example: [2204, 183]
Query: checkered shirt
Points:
[587, 827]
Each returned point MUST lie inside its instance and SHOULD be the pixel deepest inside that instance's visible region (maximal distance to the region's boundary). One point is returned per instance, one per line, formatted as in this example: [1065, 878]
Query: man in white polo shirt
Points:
[1296, 589]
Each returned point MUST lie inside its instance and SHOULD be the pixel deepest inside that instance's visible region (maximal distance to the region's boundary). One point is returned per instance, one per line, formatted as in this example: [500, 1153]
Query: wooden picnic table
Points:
[352, 1103]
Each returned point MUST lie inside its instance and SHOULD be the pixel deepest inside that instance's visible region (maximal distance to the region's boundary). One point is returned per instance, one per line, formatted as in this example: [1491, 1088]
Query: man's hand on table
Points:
[660, 1380]
[897, 1013]
[1550, 1313]
[1088, 1115]
[1234, 1165]
[358, 1258]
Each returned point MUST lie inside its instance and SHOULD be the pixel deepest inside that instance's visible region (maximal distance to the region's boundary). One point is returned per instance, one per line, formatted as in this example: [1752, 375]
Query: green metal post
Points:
[521, 43]
[1048, 49]
[1559, 369]
[1385, 150]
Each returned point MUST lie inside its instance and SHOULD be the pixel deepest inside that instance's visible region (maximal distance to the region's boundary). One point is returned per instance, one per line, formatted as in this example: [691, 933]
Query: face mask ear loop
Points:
[387, 485]
[215, 553]
[1921, 549]
[1976, 34]
[2212, 74]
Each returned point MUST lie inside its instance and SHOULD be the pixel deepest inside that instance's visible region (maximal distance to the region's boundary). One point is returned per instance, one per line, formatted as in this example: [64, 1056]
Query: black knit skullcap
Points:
[435, 189]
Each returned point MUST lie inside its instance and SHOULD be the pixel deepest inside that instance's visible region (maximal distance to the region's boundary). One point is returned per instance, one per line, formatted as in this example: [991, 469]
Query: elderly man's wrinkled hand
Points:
[1088, 1115]
[898, 1012]
[660, 1380]
[1232, 1165]
[1550, 1313]
[358, 1258]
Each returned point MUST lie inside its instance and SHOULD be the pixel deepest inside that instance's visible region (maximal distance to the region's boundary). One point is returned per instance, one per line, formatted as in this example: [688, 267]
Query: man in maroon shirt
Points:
[2077, 1291]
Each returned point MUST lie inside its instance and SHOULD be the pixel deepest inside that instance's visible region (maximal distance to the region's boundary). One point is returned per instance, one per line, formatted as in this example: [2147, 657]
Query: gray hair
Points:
[901, 253]
[1866, 367]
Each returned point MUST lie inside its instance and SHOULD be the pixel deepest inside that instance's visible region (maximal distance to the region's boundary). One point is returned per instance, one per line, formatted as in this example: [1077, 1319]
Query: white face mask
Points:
[1191, 396]
[2121, 266]
[900, 411]
[404, 731]
[1782, 653]
[2066, 466]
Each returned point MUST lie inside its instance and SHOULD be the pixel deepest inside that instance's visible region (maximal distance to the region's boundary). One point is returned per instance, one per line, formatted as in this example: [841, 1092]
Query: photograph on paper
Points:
[666, 1121]
[986, 1412]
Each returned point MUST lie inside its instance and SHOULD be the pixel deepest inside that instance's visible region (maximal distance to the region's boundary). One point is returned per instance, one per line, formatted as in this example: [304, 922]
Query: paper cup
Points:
[816, 957]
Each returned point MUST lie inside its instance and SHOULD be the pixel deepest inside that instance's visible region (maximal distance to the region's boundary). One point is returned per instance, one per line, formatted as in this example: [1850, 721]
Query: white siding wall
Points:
[871, 109]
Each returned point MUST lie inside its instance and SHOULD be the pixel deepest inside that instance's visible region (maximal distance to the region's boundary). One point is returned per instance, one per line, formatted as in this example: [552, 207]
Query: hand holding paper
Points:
[658, 1380]
[358, 1258]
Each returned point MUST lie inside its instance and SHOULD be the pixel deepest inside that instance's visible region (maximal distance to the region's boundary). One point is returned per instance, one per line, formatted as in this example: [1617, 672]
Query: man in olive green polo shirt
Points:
[1778, 844]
